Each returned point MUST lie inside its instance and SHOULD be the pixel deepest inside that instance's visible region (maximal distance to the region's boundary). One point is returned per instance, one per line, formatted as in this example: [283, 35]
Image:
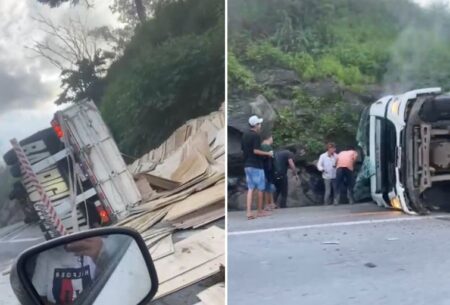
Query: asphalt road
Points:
[341, 255]
[13, 240]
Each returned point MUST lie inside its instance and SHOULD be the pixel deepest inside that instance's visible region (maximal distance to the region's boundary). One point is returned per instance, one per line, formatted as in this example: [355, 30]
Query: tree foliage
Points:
[354, 41]
[172, 70]
[392, 45]
[302, 123]
[85, 81]
[74, 49]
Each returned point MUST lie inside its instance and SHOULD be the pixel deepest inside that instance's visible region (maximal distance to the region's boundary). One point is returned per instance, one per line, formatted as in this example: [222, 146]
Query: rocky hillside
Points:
[318, 62]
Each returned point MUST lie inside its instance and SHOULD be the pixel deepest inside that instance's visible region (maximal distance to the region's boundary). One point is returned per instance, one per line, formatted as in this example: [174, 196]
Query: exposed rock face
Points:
[238, 124]
[282, 83]
[277, 78]
[263, 109]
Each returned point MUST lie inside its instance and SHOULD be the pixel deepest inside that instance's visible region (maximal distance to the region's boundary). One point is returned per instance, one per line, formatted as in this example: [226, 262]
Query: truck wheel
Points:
[15, 171]
[10, 157]
[18, 191]
[30, 214]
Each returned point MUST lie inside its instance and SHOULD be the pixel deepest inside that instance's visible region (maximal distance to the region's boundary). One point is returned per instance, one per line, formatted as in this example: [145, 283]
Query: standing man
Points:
[345, 163]
[327, 165]
[283, 160]
[253, 165]
[268, 173]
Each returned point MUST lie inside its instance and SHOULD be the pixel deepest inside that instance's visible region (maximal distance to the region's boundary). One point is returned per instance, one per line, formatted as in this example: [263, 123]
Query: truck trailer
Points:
[78, 164]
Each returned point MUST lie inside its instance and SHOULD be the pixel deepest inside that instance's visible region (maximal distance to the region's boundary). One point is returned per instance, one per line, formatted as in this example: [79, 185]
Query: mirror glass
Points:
[107, 269]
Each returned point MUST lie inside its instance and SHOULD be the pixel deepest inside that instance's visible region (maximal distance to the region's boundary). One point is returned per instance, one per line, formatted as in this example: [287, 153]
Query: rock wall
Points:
[275, 92]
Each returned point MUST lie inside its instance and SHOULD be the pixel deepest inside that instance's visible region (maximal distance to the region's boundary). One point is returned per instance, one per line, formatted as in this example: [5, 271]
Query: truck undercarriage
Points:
[427, 156]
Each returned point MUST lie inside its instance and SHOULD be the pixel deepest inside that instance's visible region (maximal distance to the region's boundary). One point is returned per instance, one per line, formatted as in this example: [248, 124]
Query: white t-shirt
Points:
[327, 164]
[61, 276]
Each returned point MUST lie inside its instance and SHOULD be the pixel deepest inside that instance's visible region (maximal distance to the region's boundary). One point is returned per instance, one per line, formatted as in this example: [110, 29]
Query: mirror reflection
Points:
[97, 270]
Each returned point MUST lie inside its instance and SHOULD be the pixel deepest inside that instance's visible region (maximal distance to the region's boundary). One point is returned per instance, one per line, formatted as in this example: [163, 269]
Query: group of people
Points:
[266, 171]
[337, 173]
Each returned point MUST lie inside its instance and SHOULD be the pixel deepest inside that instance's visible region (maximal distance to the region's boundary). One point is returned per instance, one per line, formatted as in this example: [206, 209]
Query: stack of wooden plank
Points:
[195, 258]
[182, 183]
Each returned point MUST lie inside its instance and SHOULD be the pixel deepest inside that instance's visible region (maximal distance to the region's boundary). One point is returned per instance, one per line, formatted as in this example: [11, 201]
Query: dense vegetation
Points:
[393, 45]
[172, 70]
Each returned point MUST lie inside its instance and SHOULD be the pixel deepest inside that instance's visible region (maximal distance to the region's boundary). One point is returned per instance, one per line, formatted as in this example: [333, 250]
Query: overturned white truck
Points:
[78, 165]
[405, 143]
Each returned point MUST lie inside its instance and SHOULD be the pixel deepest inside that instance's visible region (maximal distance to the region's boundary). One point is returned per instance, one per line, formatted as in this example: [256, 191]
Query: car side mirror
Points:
[101, 266]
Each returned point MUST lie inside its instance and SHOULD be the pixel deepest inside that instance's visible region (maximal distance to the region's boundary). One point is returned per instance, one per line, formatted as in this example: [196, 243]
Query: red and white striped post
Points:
[29, 175]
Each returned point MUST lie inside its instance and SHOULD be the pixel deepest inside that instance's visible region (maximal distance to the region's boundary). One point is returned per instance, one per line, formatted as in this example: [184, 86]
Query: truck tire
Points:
[10, 157]
[30, 215]
[15, 171]
[18, 191]
[436, 109]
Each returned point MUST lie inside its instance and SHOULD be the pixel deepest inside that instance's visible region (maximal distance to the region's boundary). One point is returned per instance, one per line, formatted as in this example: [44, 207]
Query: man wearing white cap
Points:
[253, 164]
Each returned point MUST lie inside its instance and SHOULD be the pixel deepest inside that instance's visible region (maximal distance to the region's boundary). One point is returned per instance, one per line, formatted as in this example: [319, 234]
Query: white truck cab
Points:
[406, 140]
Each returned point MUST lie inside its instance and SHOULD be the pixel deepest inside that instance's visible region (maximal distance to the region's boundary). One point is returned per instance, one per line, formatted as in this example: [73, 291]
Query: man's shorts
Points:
[255, 178]
[270, 188]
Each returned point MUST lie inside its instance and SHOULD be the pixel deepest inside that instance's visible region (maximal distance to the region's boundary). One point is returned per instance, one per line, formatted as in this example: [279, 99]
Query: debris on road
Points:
[182, 183]
[370, 265]
[335, 242]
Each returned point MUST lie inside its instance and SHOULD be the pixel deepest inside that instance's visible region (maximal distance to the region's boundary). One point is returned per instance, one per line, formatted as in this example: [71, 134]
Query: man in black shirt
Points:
[283, 160]
[253, 164]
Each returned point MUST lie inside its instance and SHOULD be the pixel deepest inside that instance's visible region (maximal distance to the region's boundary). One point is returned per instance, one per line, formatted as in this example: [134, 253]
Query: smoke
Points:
[420, 56]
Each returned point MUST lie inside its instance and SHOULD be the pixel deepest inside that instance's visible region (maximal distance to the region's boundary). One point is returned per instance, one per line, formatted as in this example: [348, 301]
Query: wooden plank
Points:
[146, 220]
[144, 187]
[218, 214]
[201, 216]
[214, 295]
[193, 166]
[168, 165]
[192, 252]
[161, 202]
[191, 277]
[197, 201]
[162, 248]
[161, 182]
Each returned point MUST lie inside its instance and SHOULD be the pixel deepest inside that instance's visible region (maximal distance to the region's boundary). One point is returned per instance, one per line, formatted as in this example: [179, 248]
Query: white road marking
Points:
[21, 240]
[334, 224]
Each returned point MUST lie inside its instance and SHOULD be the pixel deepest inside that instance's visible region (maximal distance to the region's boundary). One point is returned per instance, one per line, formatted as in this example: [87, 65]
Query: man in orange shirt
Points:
[345, 163]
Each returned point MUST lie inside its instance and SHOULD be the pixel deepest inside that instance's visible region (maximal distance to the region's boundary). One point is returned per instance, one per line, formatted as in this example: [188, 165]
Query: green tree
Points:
[138, 5]
[172, 70]
[86, 81]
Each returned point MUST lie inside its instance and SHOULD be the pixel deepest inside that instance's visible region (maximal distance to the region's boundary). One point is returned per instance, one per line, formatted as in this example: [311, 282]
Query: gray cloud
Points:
[26, 81]
[21, 89]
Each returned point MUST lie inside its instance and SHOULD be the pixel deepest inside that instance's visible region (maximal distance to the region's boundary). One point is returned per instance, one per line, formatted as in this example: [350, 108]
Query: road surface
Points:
[13, 240]
[341, 255]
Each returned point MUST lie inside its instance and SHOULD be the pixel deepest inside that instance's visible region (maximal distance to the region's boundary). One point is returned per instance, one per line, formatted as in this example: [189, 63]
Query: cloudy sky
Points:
[28, 84]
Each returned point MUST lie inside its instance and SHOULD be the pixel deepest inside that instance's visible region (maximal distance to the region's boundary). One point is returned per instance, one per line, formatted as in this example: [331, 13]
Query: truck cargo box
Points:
[92, 142]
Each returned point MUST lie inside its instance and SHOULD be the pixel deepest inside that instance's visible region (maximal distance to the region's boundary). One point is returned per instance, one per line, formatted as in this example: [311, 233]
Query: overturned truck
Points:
[405, 144]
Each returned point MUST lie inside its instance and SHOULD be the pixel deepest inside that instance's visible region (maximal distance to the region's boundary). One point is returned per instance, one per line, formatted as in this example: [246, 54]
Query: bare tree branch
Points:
[65, 44]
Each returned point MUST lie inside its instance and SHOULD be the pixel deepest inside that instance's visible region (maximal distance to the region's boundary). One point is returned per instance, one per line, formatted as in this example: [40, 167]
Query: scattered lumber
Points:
[182, 183]
[195, 258]
[200, 217]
